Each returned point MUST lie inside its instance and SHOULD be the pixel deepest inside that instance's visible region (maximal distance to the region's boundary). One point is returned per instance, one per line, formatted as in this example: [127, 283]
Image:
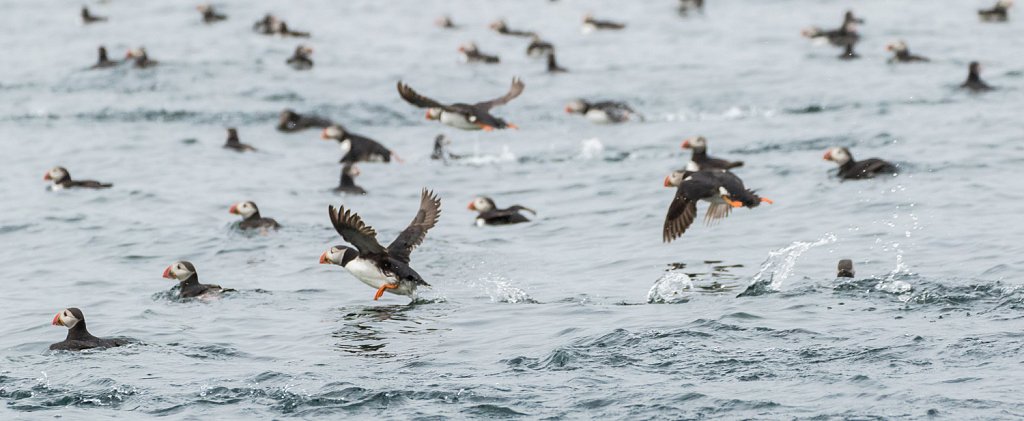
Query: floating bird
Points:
[139, 58]
[845, 269]
[235, 144]
[602, 111]
[281, 28]
[386, 269]
[103, 61]
[974, 82]
[553, 66]
[265, 25]
[188, 285]
[471, 54]
[902, 53]
[701, 161]
[590, 24]
[300, 59]
[464, 116]
[290, 121]
[79, 337]
[685, 6]
[722, 189]
[251, 218]
[489, 214]
[60, 179]
[356, 148]
[539, 47]
[441, 151]
[209, 14]
[997, 13]
[501, 27]
[347, 184]
[849, 169]
[88, 18]
[445, 22]
[845, 35]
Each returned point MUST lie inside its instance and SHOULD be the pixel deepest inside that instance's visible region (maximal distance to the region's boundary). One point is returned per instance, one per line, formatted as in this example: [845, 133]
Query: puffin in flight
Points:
[79, 337]
[189, 286]
[849, 169]
[721, 188]
[251, 216]
[464, 116]
[491, 215]
[385, 269]
[61, 179]
[700, 159]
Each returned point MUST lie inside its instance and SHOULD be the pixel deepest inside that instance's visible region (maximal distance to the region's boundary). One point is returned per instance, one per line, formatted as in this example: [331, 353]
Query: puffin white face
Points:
[838, 155]
[333, 256]
[331, 132]
[65, 318]
[136, 52]
[303, 50]
[674, 179]
[246, 209]
[180, 270]
[481, 204]
[575, 106]
[697, 142]
[1006, 3]
[55, 174]
[203, 8]
[433, 113]
[897, 47]
[469, 47]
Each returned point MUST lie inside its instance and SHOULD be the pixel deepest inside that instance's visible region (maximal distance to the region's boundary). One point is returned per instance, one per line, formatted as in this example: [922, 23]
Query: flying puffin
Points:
[902, 53]
[974, 82]
[209, 14]
[491, 215]
[234, 144]
[464, 116]
[601, 112]
[103, 61]
[700, 159]
[139, 58]
[300, 59]
[721, 188]
[189, 286]
[88, 18]
[79, 337]
[349, 172]
[385, 269]
[849, 169]
[501, 27]
[997, 13]
[60, 179]
[590, 24]
[251, 217]
[356, 148]
[290, 121]
[471, 54]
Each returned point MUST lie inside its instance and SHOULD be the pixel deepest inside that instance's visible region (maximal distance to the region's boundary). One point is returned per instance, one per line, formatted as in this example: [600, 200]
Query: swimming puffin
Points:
[445, 22]
[491, 215]
[590, 24]
[280, 27]
[347, 184]
[139, 58]
[501, 27]
[88, 18]
[265, 25]
[386, 269]
[79, 337]
[902, 53]
[845, 269]
[539, 47]
[686, 5]
[849, 169]
[60, 179]
[251, 218]
[103, 61]
[356, 148]
[722, 189]
[974, 82]
[189, 286]
[441, 151]
[209, 14]
[553, 66]
[601, 112]
[700, 159]
[234, 144]
[997, 13]
[290, 121]
[464, 116]
[471, 54]
[845, 35]
[300, 59]
[849, 54]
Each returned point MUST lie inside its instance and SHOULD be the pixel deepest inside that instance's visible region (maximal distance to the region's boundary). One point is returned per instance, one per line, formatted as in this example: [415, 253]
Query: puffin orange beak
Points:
[323, 135]
[427, 115]
[471, 206]
[828, 156]
[167, 273]
[462, 49]
[233, 209]
[686, 144]
[568, 110]
[323, 258]
[47, 177]
[56, 320]
[668, 181]
[512, 126]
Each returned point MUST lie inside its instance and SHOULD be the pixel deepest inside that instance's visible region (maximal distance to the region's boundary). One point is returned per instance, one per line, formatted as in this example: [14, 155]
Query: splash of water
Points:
[502, 291]
[591, 148]
[672, 288]
[779, 265]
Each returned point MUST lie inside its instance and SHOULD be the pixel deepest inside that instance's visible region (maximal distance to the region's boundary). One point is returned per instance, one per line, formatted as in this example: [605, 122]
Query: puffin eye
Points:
[472, 119]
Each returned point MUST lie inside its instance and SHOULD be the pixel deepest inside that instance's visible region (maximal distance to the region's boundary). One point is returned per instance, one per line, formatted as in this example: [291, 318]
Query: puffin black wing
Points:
[410, 96]
[514, 91]
[683, 209]
[352, 228]
[413, 235]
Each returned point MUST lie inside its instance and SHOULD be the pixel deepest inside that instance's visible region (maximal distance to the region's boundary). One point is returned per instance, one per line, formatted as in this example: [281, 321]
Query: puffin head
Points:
[897, 47]
[433, 114]
[57, 175]
[469, 47]
[675, 179]
[303, 51]
[499, 25]
[180, 270]
[136, 53]
[974, 68]
[696, 143]
[203, 8]
[334, 131]
[481, 204]
[245, 209]
[838, 154]
[338, 255]
[576, 106]
[68, 317]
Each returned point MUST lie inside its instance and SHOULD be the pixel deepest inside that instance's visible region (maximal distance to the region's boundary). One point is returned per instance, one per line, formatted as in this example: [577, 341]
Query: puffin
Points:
[685, 6]
[849, 54]
[590, 24]
[290, 121]
[251, 218]
[845, 269]
[553, 66]
[849, 169]
[464, 116]
[489, 214]
[974, 82]
[234, 144]
[845, 35]
[996, 14]
[902, 53]
[209, 14]
[722, 189]
[501, 27]
[441, 151]
[88, 18]
[280, 27]
[700, 159]
[60, 179]
[139, 58]
[347, 184]
[471, 54]
[189, 286]
[849, 18]
[103, 61]
[385, 269]
[445, 22]
[539, 47]
[300, 59]
[265, 25]
[356, 148]
[79, 337]
[601, 112]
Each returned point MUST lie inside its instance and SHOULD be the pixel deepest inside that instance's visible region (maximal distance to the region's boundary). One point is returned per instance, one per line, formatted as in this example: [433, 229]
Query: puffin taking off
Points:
[188, 284]
[88, 18]
[601, 112]
[845, 269]
[103, 61]
[721, 188]
[997, 13]
[471, 54]
[855, 170]
[60, 179]
[139, 58]
[349, 172]
[251, 217]
[590, 24]
[464, 116]
[902, 53]
[79, 337]
[701, 161]
[386, 269]
[209, 14]
[500, 27]
[290, 121]
[491, 215]
[356, 148]
[234, 144]
[300, 59]
[974, 82]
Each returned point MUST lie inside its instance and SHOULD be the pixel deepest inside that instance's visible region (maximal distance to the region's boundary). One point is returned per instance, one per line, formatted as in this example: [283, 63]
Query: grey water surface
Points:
[581, 314]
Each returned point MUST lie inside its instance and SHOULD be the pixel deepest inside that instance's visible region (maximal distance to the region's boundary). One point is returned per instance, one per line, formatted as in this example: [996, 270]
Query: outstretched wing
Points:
[410, 96]
[513, 92]
[412, 236]
[683, 209]
[355, 231]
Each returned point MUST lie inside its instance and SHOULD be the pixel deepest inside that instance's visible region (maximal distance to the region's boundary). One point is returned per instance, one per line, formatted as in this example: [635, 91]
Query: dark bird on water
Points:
[188, 281]
[471, 54]
[103, 61]
[845, 269]
[209, 14]
[974, 82]
[850, 169]
[553, 66]
[602, 112]
[88, 17]
[441, 151]
[356, 148]
[300, 59]
[591, 24]
[997, 13]
[291, 121]
[234, 144]
[251, 218]
[139, 58]
[347, 184]
[489, 214]
[701, 161]
[79, 337]
[501, 27]
[60, 179]
[902, 53]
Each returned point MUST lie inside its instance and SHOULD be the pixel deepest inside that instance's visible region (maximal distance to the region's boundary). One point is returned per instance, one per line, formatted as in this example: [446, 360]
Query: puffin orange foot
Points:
[767, 200]
[380, 291]
[486, 128]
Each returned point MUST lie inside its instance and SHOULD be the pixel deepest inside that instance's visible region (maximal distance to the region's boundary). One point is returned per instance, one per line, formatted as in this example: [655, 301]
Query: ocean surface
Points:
[581, 314]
